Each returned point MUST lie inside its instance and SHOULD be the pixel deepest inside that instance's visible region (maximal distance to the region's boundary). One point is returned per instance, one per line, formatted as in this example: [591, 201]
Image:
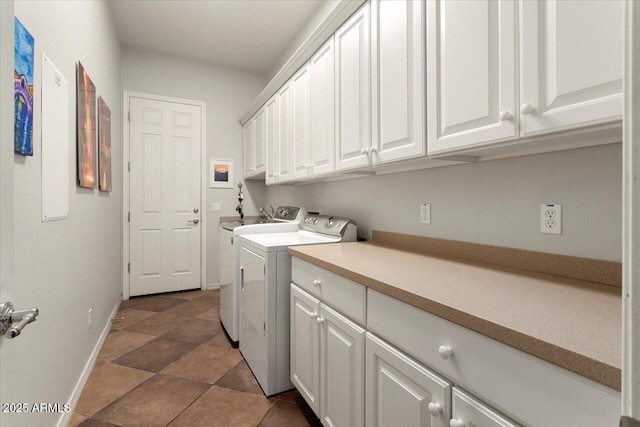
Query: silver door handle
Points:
[8, 316]
[194, 221]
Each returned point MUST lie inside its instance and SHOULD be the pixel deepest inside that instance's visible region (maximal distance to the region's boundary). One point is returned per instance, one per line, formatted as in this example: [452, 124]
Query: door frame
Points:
[126, 238]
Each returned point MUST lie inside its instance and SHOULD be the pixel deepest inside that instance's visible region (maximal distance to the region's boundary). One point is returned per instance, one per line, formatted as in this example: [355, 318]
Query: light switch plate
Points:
[216, 206]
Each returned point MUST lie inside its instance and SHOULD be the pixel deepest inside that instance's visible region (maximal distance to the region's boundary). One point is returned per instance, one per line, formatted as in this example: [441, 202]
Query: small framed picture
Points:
[220, 173]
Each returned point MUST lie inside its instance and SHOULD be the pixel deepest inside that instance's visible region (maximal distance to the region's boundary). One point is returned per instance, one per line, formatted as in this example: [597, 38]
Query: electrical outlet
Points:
[425, 213]
[216, 206]
[551, 218]
[90, 318]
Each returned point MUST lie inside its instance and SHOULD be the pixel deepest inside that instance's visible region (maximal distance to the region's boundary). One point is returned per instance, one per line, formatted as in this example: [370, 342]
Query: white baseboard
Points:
[211, 286]
[82, 381]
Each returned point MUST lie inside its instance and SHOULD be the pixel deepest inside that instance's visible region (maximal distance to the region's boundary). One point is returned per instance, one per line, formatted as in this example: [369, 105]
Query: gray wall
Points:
[66, 267]
[227, 92]
[494, 202]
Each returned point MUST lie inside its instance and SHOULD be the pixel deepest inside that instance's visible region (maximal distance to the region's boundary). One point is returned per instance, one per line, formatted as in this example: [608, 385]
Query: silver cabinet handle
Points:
[241, 278]
[194, 221]
[8, 316]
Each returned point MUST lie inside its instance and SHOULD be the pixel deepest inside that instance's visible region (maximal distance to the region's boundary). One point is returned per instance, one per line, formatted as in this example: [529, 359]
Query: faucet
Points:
[269, 214]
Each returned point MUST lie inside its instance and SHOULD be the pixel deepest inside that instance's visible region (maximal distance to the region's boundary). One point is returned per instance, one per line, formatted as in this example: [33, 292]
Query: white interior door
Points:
[7, 348]
[165, 179]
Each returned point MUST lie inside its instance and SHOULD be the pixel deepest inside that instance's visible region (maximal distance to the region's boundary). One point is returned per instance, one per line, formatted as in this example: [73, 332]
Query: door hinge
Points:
[232, 240]
[265, 270]
[128, 216]
[129, 166]
[129, 116]
[129, 268]
[264, 327]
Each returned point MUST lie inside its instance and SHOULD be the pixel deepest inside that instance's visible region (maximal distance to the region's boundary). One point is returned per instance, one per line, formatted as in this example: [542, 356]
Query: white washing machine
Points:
[265, 278]
[285, 218]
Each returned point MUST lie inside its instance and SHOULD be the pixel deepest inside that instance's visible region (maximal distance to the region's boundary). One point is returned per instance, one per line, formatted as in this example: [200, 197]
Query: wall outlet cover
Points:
[216, 206]
[425, 213]
[551, 218]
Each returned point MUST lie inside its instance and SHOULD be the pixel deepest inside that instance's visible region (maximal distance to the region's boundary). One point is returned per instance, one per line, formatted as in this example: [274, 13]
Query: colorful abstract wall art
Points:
[87, 129]
[104, 143]
[23, 90]
[220, 173]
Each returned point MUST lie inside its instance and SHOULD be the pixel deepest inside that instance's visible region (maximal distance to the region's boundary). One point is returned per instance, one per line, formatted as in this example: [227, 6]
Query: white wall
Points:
[495, 203]
[66, 267]
[304, 32]
[227, 92]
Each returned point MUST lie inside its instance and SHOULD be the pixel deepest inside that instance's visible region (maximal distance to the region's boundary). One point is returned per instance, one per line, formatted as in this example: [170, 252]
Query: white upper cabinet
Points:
[301, 115]
[397, 71]
[352, 86]
[572, 64]
[248, 136]
[285, 131]
[323, 110]
[271, 140]
[254, 136]
[259, 141]
[471, 73]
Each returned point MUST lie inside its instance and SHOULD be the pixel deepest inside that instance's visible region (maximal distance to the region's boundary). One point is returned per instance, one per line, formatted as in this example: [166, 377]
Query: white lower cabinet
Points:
[401, 392]
[468, 412]
[305, 346]
[327, 361]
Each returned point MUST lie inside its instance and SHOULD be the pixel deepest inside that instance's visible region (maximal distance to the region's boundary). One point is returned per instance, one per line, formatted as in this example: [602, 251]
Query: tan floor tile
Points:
[240, 378]
[157, 325]
[106, 384]
[220, 340]
[186, 295]
[155, 355]
[291, 415]
[193, 308]
[221, 407]
[157, 303]
[194, 330]
[291, 396]
[94, 423]
[213, 314]
[76, 419]
[119, 343]
[155, 402]
[129, 316]
[204, 364]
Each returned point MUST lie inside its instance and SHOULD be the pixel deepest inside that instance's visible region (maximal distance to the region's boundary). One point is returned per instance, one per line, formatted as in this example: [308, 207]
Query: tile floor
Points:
[167, 362]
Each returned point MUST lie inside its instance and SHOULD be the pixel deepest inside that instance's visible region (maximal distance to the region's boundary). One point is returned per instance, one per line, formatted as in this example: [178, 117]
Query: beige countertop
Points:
[571, 323]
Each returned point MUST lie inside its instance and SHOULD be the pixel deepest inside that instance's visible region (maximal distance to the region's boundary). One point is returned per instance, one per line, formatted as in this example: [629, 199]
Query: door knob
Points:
[196, 210]
[526, 109]
[364, 151]
[8, 316]
[194, 221]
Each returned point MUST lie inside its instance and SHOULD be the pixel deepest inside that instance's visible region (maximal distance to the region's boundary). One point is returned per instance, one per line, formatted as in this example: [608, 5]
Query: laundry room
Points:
[319, 213]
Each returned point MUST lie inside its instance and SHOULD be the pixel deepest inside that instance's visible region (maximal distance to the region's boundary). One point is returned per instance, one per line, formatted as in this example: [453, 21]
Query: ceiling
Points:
[247, 34]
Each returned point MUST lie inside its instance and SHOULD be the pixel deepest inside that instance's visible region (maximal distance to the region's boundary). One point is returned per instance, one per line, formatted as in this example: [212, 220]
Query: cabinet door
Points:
[468, 412]
[341, 370]
[301, 115]
[323, 110]
[305, 346]
[353, 91]
[471, 73]
[284, 133]
[397, 71]
[259, 140]
[249, 147]
[399, 390]
[572, 63]
[271, 143]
